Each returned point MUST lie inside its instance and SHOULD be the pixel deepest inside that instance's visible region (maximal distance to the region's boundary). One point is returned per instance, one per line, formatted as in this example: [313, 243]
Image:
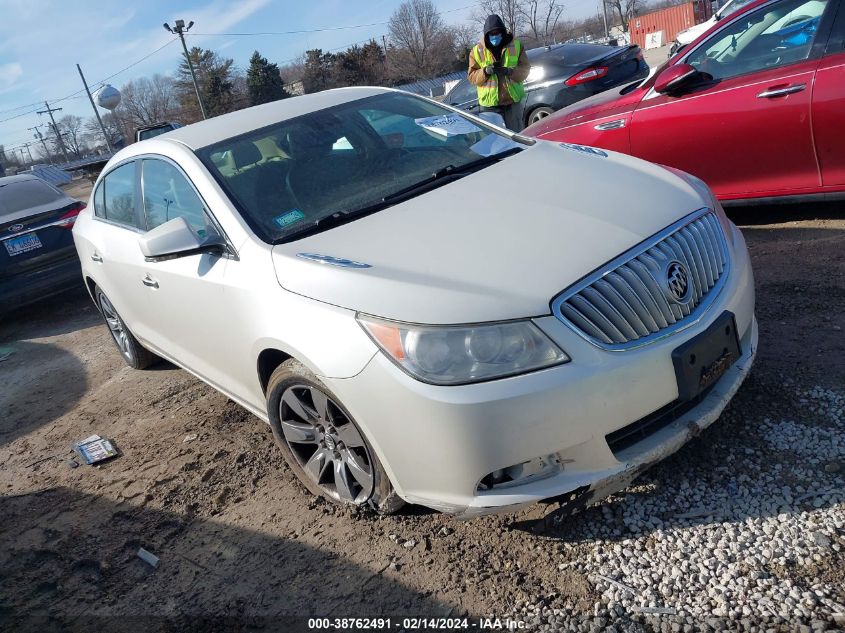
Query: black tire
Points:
[135, 355]
[292, 380]
[538, 114]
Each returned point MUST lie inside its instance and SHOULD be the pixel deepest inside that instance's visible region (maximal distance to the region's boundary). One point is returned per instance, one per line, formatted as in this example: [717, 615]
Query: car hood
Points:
[688, 35]
[497, 244]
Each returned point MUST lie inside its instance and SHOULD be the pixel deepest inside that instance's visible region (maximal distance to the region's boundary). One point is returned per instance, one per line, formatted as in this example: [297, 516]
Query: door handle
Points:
[781, 92]
[95, 257]
[149, 282]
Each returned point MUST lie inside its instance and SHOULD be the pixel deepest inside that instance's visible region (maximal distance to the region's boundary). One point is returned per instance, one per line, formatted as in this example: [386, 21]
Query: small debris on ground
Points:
[148, 557]
[190, 438]
[95, 449]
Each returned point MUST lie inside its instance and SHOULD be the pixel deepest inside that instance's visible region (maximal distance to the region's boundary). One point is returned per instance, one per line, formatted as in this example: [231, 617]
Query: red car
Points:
[755, 106]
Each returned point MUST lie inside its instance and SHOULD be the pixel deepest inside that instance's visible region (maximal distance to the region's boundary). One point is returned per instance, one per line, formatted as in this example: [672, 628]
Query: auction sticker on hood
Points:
[448, 125]
[286, 219]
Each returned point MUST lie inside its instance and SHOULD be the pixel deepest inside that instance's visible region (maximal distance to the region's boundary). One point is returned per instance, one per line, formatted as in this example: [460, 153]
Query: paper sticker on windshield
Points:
[448, 125]
[286, 219]
[585, 149]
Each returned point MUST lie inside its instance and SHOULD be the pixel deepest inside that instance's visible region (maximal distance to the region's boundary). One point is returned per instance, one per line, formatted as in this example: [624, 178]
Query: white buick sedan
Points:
[424, 307]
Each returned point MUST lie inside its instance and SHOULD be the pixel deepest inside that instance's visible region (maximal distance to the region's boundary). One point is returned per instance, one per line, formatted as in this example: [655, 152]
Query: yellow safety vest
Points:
[488, 93]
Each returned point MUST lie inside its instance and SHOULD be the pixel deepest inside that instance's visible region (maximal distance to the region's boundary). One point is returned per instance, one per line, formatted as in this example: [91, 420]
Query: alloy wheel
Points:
[326, 444]
[539, 115]
[116, 327]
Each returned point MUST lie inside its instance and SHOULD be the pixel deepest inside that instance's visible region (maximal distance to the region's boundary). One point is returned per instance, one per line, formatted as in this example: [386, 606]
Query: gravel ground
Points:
[742, 529]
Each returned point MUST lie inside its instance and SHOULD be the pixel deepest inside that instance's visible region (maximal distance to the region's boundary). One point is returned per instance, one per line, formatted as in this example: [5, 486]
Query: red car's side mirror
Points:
[674, 77]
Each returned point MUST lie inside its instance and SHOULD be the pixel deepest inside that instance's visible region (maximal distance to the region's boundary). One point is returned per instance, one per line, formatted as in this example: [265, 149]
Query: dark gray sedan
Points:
[563, 74]
[37, 256]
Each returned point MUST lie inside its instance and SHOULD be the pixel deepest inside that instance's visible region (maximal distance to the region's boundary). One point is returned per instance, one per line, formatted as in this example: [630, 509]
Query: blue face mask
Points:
[495, 40]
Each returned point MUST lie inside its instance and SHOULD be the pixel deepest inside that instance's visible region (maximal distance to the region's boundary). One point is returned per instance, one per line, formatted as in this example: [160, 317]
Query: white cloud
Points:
[10, 73]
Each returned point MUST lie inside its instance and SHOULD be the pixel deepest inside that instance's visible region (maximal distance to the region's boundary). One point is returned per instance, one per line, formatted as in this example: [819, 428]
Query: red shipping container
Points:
[671, 21]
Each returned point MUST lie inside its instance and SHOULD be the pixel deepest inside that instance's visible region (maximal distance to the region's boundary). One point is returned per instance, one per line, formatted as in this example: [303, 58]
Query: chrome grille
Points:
[628, 302]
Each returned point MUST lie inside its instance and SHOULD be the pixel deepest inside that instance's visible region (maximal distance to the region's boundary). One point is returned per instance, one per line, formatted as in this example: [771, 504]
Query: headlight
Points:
[455, 355]
[535, 74]
[707, 194]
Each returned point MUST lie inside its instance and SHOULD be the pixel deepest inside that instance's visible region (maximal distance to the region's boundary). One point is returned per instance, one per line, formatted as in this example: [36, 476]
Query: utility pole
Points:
[96, 112]
[180, 29]
[604, 11]
[28, 151]
[43, 143]
[50, 111]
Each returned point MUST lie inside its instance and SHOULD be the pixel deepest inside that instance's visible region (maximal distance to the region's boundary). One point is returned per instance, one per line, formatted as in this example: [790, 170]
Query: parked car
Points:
[754, 108]
[561, 75]
[150, 131]
[685, 37]
[38, 258]
[431, 323]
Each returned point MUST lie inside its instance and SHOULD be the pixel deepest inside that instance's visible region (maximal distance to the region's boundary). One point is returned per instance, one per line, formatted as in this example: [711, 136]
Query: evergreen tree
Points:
[215, 77]
[263, 81]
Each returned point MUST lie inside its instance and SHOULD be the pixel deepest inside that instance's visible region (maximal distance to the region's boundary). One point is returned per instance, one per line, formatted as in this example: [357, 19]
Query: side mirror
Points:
[675, 78]
[175, 238]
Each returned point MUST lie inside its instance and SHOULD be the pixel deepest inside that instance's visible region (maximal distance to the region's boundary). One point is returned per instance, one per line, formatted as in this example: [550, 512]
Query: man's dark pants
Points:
[510, 113]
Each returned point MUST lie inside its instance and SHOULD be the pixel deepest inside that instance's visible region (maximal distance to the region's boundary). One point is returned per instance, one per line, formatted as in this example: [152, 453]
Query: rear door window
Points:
[119, 195]
[26, 194]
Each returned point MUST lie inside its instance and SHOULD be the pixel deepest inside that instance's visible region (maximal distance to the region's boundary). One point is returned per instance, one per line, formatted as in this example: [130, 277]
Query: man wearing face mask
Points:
[497, 67]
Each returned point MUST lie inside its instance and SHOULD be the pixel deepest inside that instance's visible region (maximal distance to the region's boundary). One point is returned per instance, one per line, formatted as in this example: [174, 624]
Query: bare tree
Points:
[540, 18]
[622, 10]
[422, 44]
[117, 128]
[146, 101]
[464, 37]
[71, 128]
[510, 11]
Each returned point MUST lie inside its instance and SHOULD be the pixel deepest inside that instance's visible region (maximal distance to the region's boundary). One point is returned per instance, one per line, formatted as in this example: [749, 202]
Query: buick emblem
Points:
[678, 282]
[16, 227]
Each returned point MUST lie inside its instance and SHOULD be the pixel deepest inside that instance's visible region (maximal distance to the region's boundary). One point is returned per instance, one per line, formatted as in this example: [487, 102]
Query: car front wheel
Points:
[322, 444]
[135, 355]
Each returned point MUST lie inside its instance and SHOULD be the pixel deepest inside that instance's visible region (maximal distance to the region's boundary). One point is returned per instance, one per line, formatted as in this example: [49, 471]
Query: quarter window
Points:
[168, 195]
[99, 201]
[769, 37]
[119, 195]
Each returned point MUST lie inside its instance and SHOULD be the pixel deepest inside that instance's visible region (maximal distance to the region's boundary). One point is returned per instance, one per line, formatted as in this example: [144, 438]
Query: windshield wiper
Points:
[439, 177]
[451, 171]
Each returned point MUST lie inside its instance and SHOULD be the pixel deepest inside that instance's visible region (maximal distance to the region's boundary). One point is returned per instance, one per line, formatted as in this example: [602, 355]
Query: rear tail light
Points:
[584, 76]
[67, 219]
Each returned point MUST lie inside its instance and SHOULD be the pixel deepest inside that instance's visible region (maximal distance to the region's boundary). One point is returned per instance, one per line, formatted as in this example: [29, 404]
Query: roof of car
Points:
[225, 126]
[5, 180]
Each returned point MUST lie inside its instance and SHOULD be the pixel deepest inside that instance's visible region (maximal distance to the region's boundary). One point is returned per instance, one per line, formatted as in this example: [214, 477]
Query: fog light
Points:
[522, 473]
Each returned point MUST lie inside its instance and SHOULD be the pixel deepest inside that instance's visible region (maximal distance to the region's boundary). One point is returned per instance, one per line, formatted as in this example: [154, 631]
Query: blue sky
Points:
[42, 40]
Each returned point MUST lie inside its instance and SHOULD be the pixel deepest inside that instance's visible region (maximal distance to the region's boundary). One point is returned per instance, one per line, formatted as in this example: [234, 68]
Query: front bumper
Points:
[437, 443]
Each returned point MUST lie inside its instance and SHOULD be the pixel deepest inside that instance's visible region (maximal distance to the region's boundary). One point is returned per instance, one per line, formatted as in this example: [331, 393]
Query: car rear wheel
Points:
[135, 355]
[322, 444]
[538, 114]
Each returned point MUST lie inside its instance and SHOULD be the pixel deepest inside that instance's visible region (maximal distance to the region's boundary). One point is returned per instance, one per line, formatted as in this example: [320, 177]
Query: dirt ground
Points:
[201, 484]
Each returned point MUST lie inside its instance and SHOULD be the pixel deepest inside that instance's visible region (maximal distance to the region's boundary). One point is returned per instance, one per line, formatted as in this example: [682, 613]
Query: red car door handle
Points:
[781, 92]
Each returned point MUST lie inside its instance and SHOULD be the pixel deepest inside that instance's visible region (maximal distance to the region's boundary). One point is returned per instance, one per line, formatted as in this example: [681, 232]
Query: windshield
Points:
[286, 177]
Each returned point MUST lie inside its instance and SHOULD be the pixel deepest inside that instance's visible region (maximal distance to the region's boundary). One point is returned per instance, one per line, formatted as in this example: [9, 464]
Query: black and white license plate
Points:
[702, 360]
[22, 244]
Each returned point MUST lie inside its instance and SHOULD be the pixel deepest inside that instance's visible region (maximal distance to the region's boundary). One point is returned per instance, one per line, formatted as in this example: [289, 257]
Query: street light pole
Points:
[180, 29]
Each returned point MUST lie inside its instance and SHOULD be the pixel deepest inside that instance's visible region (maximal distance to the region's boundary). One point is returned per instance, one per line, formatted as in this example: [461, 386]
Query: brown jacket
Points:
[476, 75]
